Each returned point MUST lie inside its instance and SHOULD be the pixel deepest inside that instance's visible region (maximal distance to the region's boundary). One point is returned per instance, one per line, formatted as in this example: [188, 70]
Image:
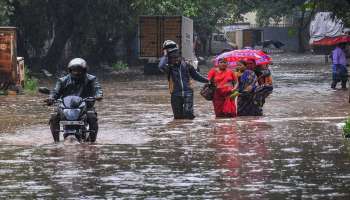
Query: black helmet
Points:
[77, 64]
[170, 46]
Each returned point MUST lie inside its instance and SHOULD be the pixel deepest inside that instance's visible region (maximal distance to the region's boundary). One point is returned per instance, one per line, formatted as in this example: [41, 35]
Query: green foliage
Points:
[276, 9]
[340, 8]
[33, 23]
[30, 83]
[120, 65]
[346, 129]
[206, 14]
[95, 28]
[292, 32]
[309, 5]
[5, 11]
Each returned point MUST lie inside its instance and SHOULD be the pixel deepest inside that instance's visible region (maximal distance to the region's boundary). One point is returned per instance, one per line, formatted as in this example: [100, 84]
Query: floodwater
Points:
[295, 151]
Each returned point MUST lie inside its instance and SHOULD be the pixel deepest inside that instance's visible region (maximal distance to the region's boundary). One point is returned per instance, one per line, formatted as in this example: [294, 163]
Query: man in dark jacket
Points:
[77, 83]
[179, 76]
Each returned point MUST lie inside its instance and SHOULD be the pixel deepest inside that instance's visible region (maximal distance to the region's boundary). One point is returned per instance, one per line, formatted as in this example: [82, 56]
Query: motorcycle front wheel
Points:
[93, 128]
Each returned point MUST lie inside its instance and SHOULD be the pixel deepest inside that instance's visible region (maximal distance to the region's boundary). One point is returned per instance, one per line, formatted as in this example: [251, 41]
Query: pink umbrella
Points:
[232, 57]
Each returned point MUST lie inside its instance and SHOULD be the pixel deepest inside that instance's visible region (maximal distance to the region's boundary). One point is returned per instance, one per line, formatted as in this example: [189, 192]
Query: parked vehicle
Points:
[220, 43]
[154, 30]
[235, 39]
[73, 115]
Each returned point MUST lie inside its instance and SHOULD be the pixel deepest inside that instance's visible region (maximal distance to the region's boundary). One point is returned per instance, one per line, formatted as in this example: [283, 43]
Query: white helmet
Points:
[77, 63]
[170, 46]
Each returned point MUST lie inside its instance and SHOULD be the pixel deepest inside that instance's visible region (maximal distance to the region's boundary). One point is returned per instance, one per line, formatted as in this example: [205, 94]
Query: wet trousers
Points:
[340, 74]
[182, 106]
[248, 105]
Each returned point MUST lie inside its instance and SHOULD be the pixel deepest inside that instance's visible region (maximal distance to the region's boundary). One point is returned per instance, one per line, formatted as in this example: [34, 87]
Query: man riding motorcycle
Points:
[77, 83]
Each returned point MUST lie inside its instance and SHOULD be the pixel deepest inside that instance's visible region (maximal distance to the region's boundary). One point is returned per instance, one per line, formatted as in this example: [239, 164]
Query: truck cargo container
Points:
[11, 67]
[154, 30]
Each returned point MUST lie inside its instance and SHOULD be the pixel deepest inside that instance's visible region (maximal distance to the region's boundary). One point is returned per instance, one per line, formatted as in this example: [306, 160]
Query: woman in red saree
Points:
[226, 83]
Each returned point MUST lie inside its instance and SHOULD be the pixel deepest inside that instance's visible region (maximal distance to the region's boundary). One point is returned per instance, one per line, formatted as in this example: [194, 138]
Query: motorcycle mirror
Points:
[44, 90]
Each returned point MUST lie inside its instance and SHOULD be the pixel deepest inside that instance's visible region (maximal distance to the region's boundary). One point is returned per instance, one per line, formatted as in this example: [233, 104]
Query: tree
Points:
[46, 27]
[33, 27]
[103, 31]
[301, 10]
[66, 16]
[96, 29]
[210, 13]
[340, 8]
[5, 11]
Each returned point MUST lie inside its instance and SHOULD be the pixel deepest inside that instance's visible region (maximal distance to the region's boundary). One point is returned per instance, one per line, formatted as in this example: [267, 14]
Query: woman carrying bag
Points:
[226, 85]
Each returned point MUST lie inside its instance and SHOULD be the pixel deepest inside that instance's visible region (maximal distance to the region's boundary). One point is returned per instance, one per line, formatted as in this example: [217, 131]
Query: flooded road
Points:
[295, 151]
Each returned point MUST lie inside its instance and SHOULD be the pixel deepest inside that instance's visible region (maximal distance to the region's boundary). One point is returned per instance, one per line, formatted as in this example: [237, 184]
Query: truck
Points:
[235, 39]
[154, 30]
[11, 67]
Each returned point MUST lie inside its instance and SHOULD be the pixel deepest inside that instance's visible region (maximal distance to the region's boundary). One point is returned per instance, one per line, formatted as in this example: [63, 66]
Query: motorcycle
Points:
[73, 113]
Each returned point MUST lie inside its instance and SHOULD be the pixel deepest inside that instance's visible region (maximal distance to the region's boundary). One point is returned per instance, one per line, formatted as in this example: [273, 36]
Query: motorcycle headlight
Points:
[71, 114]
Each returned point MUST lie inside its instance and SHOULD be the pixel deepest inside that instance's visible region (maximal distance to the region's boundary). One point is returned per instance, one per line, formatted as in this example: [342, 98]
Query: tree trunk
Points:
[22, 50]
[301, 48]
[209, 39]
[204, 44]
[303, 25]
[106, 44]
[62, 34]
[300, 32]
[21, 47]
[205, 47]
[129, 46]
[64, 13]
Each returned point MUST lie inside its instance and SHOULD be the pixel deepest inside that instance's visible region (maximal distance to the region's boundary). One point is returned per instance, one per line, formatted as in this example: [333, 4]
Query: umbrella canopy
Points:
[330, 41]
[232, 57]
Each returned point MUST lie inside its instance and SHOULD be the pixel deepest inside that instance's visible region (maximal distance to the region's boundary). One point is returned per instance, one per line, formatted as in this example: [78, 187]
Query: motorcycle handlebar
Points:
[52, 102]
[55, 101]
[89, 99]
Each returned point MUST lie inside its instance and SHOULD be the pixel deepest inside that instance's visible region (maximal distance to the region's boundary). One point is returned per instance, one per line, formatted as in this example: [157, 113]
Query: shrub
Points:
[120, 65]
[346, 129]
[30, 83]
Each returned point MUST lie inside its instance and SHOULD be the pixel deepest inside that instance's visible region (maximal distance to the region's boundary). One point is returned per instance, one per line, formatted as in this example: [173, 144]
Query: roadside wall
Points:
[286, 35]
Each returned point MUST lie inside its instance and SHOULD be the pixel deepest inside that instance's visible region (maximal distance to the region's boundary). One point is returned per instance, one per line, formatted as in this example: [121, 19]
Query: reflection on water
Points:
[295, 151]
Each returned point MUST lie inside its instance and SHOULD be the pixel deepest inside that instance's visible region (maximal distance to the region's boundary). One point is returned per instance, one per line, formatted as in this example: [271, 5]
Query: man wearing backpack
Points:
[179, 74]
